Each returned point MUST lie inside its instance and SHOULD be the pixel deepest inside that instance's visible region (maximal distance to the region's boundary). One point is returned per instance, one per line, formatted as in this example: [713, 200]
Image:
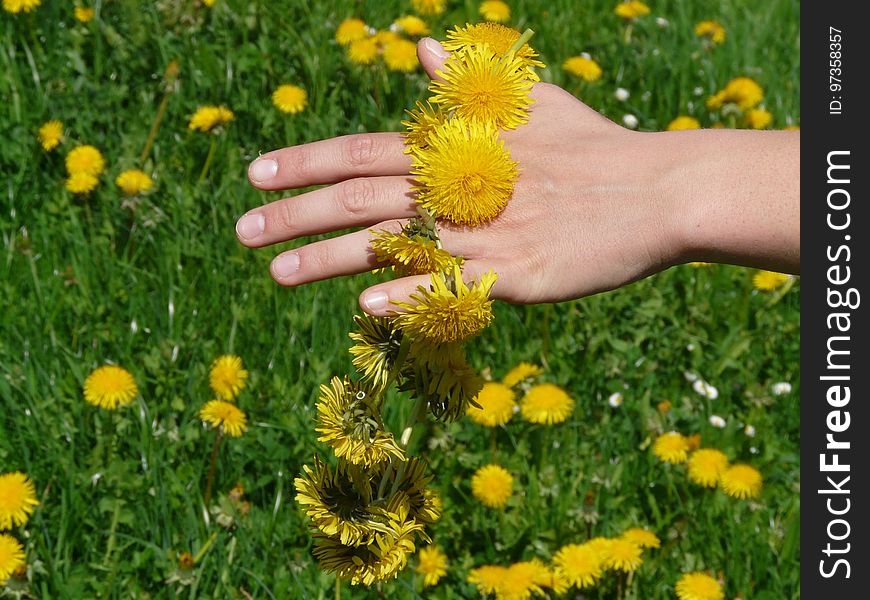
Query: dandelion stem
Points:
[211, 467]
[521, 41]
[337, 588]
[205, 547]
[113, 528]
[208, 160]
[169, 78]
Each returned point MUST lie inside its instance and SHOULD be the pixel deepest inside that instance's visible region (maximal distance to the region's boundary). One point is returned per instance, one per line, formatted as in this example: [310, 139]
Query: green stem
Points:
[337, 588]
[208, 160]
[211, 467]
[155, 126]
[521, 41]
[205, 547]
[113, 528]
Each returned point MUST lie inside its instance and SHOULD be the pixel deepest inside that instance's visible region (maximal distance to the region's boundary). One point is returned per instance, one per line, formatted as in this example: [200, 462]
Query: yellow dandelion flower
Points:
[741, 91]
[442, 375]
[424, 119]
[741, 481]
[578, 564]
[50, 135]
[479, 85]
[767, 281]
[671, 447]
[487, 578]
[520, 373]
[711, 30]
[465, 174]
[17, 499]
[631, 9]
[207, 118]
[413, 25]
[642, 537]
[209, 3]
[698, 586]
[83, 14]
[17, 6]
[349, 422]
[440, 315]
[227, 377]
[520, 581]
[134, 182]
[432, 565]
[429, 7]
[382, 37]
[492, 485]
[11, 557]
[401, 55]
[584, 68]
[350, 30]
[623, 555]
[376, 348]
[81, 183]
[546, 404]
[601, 546]
[497, 404]
[498, 38]
[411, 255]
[367, 564]
[85, 159]
[706, 467]
[109, 387]
[553, 579]
[682, 123]
[363, 52]
[225, 415]
[495, 10]
[664, 406]
[290, 99]
[758, 118]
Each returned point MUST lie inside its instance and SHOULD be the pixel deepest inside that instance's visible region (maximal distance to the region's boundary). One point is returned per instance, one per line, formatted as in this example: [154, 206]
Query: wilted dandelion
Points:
[11, 555]
[432, 565]
[671, 447]
[641, 537]
[17, 499]
[492, 485]
[227, 377]
[495, 10]
[683, 123]
[741, 481]
[50, 135]
[706, 466]
[546, 404]
[583, 67]
[368, 564]
[401, 55]
[109, 387]
[743, 92]
[698, 586]
[351, 30]
[412, 25]
[411, 255]
[134, 182]
[290, 99]
[225, 416]
[767, 281]
[711, 30]
[522, 372]
[579, 564]
[497, 404]
[631, 9]
[429, 7]
[758, 118]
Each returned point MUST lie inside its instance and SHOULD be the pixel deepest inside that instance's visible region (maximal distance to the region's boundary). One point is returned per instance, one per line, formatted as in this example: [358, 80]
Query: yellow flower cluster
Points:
[227, 378]
[711, 30]
[364, 46]
[17, 501]
[207, 118]
[84, 165]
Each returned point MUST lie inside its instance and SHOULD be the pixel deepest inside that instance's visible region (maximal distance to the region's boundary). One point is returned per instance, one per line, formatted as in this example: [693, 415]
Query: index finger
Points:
[331, 161]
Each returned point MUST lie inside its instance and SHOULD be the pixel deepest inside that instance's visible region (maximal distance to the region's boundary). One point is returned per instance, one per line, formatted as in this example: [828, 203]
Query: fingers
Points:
[356, 202]
[432, 56]
[379, 300]
[329, 161]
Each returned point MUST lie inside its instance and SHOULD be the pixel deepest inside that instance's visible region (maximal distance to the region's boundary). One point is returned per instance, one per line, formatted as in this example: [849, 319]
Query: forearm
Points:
[737, 195]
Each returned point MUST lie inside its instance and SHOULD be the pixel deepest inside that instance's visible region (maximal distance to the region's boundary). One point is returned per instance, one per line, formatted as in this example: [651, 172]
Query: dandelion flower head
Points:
[376, 348]
[363, 51]
[227, 377]
[17, 499]
[50, 135]
[423, 120]
[290, 99]
[683, 123]
[741, 481]
[11, 557]
[492, 485]
[133, 182]
[487, 578]
[429, 7]
[81, 183]
[546, 404]
[401, 55]
[698, 586]
[109, 387]
[83, 14]
[495, 10]
[741, 91]
[520, 373]
[412, 25]
[758, 118]
[642, 537]
[631, 9]
[623, 555]
[207, 118]
[671, 447]
[226, 416]
[432, 565]
[367, 564]
[583, 67]
[85, 159]
[351, 30]
[706, 466]
[767, 281]
[498, 38]
[711, 30]
[17, 6]
[497, 404]
[579, 564]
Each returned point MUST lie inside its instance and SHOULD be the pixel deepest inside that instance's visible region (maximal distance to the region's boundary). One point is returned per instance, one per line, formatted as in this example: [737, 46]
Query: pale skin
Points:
[596, 206]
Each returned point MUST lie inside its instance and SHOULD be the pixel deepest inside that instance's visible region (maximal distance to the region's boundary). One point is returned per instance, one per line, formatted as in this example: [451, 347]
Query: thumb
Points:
[432, 56]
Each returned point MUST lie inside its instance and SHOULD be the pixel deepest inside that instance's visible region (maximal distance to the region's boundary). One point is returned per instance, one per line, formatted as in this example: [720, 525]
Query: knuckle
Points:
[284, 216]
[361, 150]
[297, 163]
[356, 196]
[321, 261]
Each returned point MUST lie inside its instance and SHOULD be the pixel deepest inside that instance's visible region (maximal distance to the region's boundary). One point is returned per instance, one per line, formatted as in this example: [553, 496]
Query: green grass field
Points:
[165, 288]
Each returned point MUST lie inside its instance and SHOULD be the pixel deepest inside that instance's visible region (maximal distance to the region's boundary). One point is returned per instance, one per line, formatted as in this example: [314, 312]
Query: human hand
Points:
[595, 206]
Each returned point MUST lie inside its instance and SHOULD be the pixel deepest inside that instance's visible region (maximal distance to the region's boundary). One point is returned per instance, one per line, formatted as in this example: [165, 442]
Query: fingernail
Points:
[375, 301]
[435, 48]
[250, 226]
[285, 265]
[263, 169]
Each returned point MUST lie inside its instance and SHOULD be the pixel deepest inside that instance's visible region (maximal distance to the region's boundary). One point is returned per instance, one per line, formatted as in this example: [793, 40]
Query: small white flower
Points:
[698, 91]
[556, 444]
[703, 388]
[630, 121]
[621, 94]
[662, 22]
[371, 30]
[690, 347]
[753, 450]
[95, 478]
[690, 376]
[586, 55]
[717, 421]
[134, 326]
[615, 399]
[395, 28]
[781, 388]
[516, 408]
[749, 430]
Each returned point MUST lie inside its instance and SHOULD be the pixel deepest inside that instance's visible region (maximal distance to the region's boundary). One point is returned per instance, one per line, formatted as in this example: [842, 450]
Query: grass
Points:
[166, 288]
